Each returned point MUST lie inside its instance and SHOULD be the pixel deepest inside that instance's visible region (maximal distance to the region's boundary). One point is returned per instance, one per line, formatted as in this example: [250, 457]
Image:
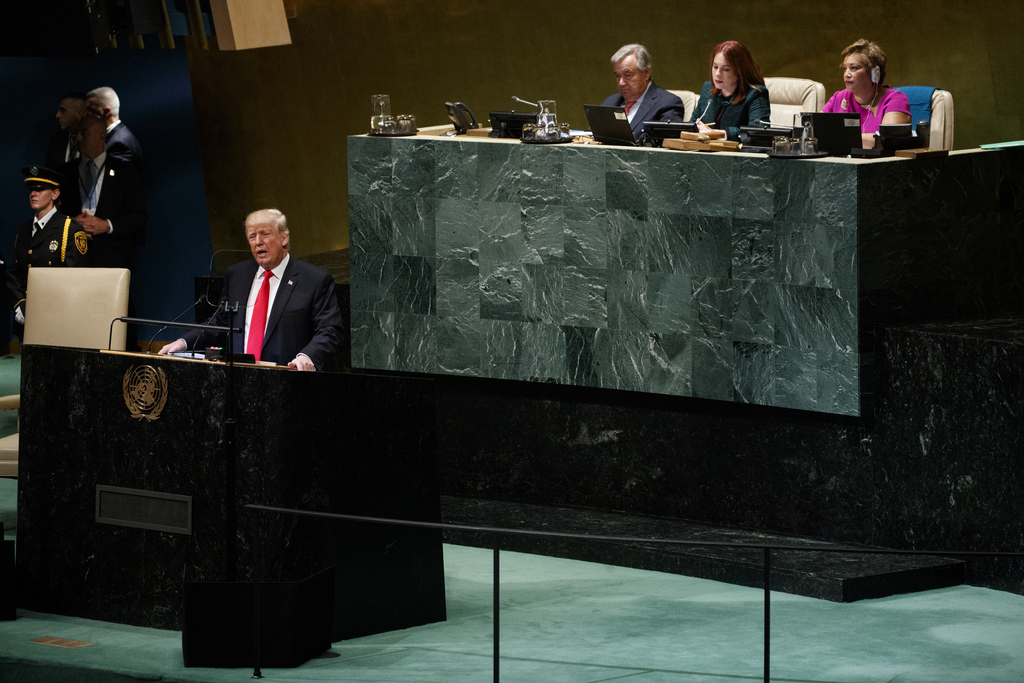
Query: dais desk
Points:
[725, 276]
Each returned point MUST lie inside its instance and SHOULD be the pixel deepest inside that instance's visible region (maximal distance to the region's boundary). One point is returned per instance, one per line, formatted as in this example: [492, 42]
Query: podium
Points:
[117, 509]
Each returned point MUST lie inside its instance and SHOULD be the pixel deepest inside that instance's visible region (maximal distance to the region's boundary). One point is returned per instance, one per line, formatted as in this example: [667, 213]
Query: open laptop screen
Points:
[609, 125]
[837, 133]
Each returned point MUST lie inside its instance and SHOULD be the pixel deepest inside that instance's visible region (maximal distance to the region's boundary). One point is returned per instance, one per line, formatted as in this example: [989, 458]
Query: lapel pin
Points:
[289, 283]
[111, 172]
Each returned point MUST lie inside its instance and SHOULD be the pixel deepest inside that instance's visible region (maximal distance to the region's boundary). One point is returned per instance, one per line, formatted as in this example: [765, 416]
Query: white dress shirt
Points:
[636, 106]
[41, 222]
[254, 290]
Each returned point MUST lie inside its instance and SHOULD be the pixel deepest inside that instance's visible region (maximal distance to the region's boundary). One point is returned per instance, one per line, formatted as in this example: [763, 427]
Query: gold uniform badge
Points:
[81, 242]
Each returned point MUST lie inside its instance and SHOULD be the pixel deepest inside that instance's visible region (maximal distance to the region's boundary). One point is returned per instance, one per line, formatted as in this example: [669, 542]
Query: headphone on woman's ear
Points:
[876, 75]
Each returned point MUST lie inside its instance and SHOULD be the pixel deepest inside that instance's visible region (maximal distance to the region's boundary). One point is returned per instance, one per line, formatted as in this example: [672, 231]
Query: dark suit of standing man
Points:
[120, 142]
[62, 148]
[113, 209]
[303, 324]
[632, 68]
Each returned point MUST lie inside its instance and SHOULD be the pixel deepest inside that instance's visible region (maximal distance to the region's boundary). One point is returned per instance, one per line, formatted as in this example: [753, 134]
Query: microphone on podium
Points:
[532, 104]
[209, 271]
[202, 299]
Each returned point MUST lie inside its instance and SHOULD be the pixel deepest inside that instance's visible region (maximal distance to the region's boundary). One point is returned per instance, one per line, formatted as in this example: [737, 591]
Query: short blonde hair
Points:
[267, 216]
[872, 53]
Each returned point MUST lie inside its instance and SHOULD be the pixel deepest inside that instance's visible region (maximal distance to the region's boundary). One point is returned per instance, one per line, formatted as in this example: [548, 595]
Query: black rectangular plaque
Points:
[144, 509]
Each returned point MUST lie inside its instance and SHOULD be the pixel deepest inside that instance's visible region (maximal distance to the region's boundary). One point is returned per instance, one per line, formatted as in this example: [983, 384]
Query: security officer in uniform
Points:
[49, 239]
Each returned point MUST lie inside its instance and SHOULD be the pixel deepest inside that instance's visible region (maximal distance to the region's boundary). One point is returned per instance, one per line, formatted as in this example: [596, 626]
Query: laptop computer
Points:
[609, 125]
[837, 133]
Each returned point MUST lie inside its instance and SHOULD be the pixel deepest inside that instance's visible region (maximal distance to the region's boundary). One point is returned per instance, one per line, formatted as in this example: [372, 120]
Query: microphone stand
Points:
[229, 448]
[230, 458]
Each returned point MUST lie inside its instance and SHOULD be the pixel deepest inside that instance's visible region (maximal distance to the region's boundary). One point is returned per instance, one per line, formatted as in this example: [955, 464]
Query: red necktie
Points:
[629, 105]
[258, 322]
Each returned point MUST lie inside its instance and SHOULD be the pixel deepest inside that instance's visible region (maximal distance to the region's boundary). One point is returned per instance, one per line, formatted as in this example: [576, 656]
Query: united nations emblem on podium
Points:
[145, 391]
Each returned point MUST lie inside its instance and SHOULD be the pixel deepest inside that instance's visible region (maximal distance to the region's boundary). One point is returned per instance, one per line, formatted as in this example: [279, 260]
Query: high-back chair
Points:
[68, 307]
[933, 105]
[689, 99]
[789, 96]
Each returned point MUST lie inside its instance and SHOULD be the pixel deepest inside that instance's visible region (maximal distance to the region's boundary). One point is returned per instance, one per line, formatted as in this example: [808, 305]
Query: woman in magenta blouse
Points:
[866, 93]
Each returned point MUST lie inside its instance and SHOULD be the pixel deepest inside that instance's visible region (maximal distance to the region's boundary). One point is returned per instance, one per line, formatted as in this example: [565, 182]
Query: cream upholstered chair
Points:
[74, 306]
[689, 99]
[942, 120]
[927, 102]
[9, 444]
[790, 96]
[68, 307]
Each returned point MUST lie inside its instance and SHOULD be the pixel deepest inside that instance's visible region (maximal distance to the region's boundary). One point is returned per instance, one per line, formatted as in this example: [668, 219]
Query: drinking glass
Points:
[547, 115]
[380, 106]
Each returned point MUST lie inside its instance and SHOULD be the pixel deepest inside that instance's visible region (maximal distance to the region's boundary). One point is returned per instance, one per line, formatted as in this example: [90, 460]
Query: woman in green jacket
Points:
[736, 94]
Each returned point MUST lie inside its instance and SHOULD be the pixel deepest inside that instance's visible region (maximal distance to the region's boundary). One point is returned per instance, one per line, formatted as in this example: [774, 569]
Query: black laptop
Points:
[609, 125]
[837, 133]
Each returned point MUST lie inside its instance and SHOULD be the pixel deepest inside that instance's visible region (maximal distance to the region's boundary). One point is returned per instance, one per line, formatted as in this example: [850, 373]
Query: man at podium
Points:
[291, 311]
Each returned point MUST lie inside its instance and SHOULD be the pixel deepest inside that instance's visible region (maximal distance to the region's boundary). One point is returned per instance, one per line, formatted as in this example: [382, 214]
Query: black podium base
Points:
[295, 622]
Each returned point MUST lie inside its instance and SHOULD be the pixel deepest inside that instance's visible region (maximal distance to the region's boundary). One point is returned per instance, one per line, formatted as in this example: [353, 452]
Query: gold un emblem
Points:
[145, 391]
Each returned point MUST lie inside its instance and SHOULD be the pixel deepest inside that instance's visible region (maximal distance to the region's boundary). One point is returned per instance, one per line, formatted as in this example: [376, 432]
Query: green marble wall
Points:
[727, 277]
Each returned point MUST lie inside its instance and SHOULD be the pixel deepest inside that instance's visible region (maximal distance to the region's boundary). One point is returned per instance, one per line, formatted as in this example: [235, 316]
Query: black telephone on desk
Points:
[458, 113]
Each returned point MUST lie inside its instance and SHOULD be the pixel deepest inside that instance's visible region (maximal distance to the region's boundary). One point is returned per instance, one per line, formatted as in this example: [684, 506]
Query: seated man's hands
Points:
[174, 347]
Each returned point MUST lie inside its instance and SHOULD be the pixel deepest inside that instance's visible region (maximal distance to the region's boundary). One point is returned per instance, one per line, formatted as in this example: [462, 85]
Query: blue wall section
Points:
[156, 103]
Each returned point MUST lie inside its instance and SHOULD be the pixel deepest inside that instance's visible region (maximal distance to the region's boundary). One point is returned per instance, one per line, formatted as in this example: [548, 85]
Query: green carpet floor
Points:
[579, 622]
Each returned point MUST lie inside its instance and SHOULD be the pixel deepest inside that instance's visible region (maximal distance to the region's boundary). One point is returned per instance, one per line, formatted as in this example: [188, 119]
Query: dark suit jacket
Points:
[730, 116]
[305, 317]
[658, 105]
[57, 149]
[121, 202]
[121, 143]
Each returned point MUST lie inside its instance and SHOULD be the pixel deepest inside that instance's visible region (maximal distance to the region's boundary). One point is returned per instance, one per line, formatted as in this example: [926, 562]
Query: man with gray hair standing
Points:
[642, 98]
[120, 143]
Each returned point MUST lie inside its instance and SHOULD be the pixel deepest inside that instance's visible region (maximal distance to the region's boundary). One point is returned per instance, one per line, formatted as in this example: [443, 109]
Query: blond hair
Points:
[267, 216]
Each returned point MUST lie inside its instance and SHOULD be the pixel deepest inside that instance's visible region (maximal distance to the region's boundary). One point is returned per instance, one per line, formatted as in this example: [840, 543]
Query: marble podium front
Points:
[329, 442]
[721, 276]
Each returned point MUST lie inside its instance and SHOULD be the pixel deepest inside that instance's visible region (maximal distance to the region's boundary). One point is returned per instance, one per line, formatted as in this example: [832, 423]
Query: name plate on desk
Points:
[144, 509]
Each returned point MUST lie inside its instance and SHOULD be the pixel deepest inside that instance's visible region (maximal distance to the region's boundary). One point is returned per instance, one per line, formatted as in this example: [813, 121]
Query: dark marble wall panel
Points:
[940, 238]
[745, 466]
[949, 440]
